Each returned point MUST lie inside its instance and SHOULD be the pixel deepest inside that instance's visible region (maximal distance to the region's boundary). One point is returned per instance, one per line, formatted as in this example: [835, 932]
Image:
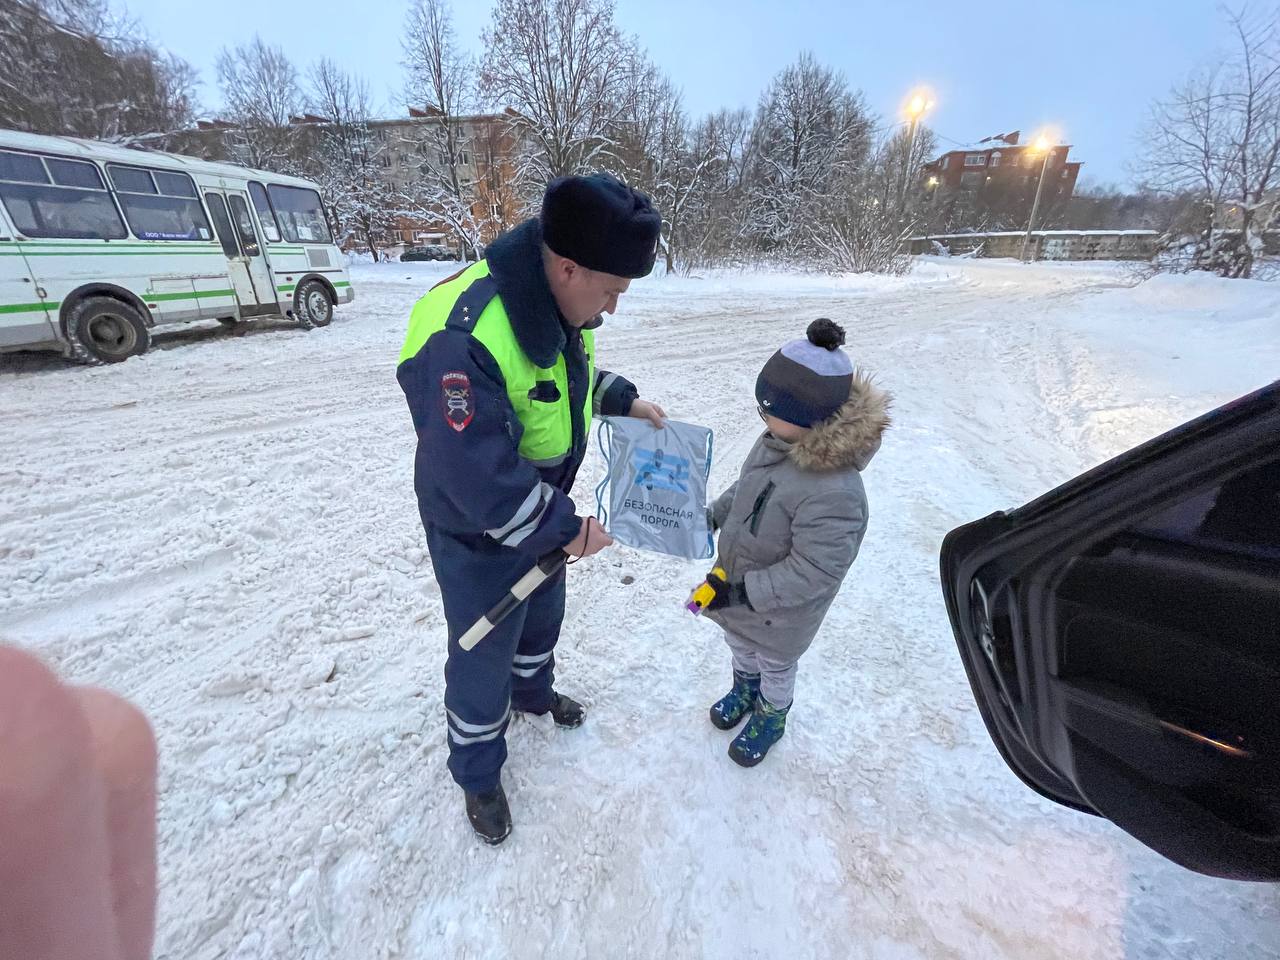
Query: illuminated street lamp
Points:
[917, 107]
[1042, 145]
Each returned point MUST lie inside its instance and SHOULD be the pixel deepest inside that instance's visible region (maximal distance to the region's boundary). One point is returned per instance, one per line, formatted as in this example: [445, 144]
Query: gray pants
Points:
[777, 677]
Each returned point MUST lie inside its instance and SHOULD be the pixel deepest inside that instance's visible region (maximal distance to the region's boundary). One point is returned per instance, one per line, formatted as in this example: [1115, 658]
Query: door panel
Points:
[237, 261]
[1122, 637]
[247, 233]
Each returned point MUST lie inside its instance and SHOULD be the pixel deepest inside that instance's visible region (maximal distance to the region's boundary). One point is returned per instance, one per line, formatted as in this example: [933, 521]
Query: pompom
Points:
[825, 333]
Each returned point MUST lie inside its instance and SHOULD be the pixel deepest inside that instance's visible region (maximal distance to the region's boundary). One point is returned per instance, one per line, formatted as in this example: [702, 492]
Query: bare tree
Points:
[261, 95]
[716, 219]
[863, 227]
[441, 80]
[1108, 207]
[346, 157]
[72, 68]
[1217, 136]
[657, 152]
[570, 76]
[901, 158]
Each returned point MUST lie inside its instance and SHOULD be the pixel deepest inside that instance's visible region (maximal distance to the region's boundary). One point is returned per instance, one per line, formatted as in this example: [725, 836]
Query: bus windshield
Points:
[300, 213]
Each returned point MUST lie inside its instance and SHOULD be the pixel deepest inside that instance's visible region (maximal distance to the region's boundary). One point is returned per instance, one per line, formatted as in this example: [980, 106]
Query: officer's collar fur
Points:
[515, 263]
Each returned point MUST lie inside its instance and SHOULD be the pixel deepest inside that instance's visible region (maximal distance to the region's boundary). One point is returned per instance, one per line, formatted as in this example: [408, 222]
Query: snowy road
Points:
[224, 530]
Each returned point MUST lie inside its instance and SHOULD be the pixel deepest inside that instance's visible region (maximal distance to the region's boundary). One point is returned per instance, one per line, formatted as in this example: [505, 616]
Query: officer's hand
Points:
[644, 410]
[591, 539]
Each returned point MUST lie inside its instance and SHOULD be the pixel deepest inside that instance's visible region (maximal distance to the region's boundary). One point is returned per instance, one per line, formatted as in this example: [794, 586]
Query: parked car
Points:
[430, 252]
[1122, 638]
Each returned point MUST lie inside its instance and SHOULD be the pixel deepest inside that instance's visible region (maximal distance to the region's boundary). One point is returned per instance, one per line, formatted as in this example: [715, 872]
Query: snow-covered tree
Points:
[716, 218]
[812, 137]
[345, 157]
[447, 152]
[261, 94]
[570, 76]
[657, 151]
[71, 67]
[863, 226]
[1217, 135]
[901, 158]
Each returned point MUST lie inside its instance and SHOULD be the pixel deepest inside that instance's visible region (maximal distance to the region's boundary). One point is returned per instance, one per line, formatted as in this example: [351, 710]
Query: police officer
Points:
[500, 375]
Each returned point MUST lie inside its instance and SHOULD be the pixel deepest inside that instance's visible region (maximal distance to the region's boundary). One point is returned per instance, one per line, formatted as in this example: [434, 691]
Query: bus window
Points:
[243, 220]
[301, 214]
[174, 184]
[57, 198]
[218, 210]
[265, 214]
[159, 205]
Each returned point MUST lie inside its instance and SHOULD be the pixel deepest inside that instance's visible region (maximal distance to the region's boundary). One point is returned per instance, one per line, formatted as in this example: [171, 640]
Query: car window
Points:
[1241, 514]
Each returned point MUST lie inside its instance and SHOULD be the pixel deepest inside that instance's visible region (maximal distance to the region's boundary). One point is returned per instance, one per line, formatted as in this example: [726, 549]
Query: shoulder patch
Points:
[457, 403]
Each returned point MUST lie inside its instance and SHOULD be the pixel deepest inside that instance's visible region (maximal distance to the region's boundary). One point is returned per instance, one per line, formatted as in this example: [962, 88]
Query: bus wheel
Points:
[312, 306]
[106, 330]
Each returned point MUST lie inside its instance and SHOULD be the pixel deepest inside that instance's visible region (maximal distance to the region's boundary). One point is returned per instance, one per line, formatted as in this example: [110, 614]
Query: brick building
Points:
[997, 178]
[486, 161]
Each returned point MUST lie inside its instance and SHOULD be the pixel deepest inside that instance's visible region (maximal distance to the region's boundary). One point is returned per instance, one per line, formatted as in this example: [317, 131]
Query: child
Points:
[791, 526]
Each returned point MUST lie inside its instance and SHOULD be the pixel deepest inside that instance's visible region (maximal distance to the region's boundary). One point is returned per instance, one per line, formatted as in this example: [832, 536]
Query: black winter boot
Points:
[565, 711]
[489, 815]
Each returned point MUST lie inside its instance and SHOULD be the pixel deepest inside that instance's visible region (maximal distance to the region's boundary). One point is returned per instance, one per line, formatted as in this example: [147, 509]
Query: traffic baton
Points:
[547, 567]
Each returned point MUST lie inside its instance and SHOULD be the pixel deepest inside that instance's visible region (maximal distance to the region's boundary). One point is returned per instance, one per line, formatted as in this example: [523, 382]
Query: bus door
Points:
[246, 264]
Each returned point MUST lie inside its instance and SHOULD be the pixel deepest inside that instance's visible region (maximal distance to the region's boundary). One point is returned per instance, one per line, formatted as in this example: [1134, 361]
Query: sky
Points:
[1088, 69]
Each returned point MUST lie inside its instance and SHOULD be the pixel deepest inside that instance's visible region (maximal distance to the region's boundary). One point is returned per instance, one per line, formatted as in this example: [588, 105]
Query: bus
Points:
[100, 244]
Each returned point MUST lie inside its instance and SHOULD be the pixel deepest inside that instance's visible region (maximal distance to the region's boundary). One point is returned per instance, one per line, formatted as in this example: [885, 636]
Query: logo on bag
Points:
[459, 407]
[656, 470]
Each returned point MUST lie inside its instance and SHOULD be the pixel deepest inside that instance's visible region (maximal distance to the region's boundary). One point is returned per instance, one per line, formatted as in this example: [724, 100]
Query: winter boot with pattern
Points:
[763, 730]
[728, 711]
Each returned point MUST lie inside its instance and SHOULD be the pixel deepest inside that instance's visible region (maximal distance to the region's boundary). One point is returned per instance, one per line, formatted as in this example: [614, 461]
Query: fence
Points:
[1048, 244]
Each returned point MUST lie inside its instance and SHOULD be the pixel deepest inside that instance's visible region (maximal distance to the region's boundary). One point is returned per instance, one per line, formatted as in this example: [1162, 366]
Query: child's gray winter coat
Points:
[791, 526]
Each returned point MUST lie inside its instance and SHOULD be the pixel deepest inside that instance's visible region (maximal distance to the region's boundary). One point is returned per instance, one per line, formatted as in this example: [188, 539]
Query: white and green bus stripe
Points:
[290, 287]
[24, 307]
[148, 298]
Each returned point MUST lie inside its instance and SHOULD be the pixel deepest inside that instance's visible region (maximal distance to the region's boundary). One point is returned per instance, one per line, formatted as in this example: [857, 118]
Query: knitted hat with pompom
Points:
[808, 380]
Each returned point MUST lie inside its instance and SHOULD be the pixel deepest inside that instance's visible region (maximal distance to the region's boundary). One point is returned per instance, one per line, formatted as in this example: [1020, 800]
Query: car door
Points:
[1122, 638]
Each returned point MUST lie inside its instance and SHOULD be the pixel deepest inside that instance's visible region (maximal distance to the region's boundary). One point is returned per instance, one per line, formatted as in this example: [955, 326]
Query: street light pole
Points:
[906, 166]
[915, 110]
[1035, 206]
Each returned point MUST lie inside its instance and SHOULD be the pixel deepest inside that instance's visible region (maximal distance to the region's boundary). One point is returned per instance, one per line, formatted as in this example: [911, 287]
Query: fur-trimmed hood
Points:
[851, 437]
[515, 263]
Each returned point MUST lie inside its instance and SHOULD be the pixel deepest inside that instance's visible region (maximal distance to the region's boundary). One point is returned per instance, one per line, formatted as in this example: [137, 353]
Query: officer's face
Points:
[583, 294]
